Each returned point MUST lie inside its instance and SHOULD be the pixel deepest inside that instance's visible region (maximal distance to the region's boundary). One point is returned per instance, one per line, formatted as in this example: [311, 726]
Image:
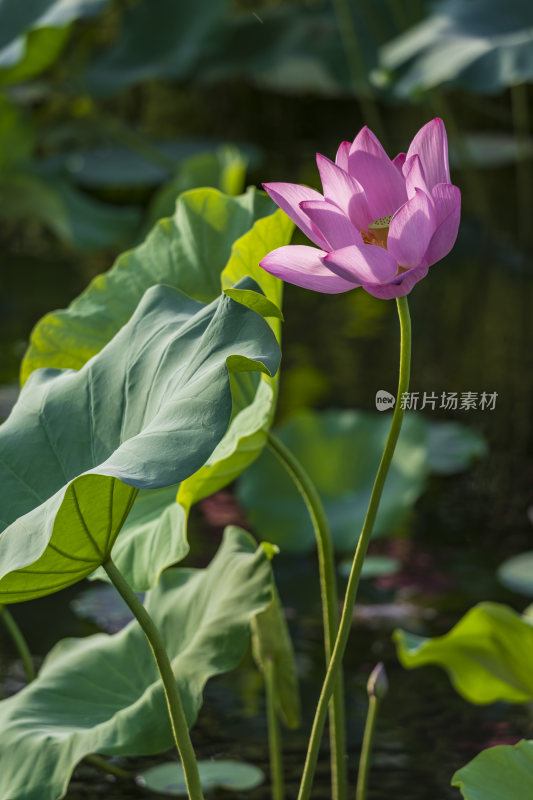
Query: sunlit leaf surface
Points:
[187, 251]
[144, 413]
[487, 655]
[498, 773]
[210, 244]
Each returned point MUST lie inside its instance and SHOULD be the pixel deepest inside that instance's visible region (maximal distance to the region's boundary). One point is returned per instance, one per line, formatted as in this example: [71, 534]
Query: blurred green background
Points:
[110, 108]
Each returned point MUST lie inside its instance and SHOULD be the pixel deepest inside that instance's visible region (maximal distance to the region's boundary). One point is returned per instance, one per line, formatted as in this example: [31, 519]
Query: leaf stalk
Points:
[178, 721]
[20, 643]
[329, 597]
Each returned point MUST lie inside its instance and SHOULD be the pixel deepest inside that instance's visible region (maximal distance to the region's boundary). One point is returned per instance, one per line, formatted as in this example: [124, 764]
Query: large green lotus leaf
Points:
[144, 413]
[271, 644]
[254, 397]
[487, 655]
[102, 693]
[243, 442]
[504, 772]
[195, 251]
[482, 45]
[187, 251]
[341, 451]
[254, 402]
[32, 34]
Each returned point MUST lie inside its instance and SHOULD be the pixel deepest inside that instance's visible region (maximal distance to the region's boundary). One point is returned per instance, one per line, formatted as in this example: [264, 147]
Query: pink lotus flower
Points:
[380, 223]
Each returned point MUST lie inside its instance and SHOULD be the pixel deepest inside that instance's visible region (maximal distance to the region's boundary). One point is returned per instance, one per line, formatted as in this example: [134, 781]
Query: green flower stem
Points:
[274, 735]
[360, 553]
[366, 749]
[328, 591]
[106, 766]
[377, 687]
[20, 643]
[175, 708]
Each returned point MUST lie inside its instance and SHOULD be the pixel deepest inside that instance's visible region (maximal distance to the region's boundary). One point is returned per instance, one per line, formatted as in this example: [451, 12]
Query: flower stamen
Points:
[377, 232]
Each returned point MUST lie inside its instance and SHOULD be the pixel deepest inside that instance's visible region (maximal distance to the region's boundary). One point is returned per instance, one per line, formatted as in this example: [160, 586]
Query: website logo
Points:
[384, 400]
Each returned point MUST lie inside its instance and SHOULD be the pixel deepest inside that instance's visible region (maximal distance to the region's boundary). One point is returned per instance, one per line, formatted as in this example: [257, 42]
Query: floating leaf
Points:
[271, 644]
[103, 694]
[487, 655]
[517, 573]
[373, 567]
[144, 413]
[498, 773]
[34, 34]
[482, 45]
[341, 451]
[453, 447]
[234, 776]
